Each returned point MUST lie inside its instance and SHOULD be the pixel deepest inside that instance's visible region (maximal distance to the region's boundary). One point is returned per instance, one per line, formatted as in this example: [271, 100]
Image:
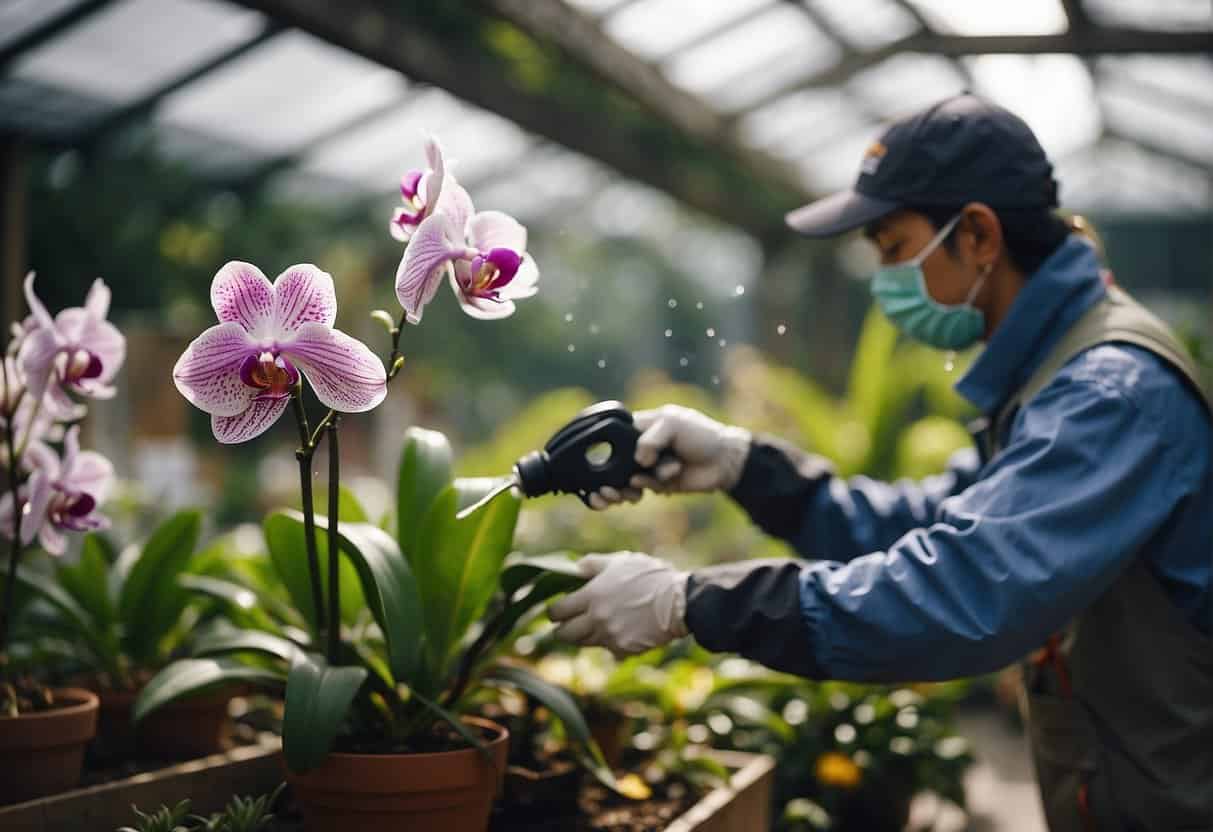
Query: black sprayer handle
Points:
[597, 448]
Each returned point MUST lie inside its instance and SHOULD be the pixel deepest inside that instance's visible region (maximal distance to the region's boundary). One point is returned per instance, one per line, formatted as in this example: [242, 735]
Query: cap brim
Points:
[838, 213]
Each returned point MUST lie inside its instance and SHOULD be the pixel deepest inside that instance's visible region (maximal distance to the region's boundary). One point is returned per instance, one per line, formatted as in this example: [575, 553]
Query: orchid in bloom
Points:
[484, 258]
[426, 191]
[78, 350]
[62, 495]
[243, 370]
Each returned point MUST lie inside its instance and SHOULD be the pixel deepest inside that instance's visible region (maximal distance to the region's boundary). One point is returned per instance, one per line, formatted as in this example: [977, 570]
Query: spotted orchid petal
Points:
[208, 373]
[343, 372]
[457, 205]
[426, 259]
[255, 420]
[242, 294]
[303, 294]
[488, 230]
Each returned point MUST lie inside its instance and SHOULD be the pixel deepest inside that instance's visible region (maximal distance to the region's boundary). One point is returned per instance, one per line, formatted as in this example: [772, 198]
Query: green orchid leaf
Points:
[546, 586]
[351, 511]
[564, 708]
[318, 699]
[75, 618]
[425, 470]
[521, 571]
[246, 641]
[287, 544]
[386, 583]
[458, 563]
[455, 722]
[189, 677]
[150, 601]
[86, 582]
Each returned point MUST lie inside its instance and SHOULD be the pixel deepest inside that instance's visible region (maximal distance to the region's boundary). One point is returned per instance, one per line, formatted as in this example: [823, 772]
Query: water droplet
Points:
[682, 362]
[593, 329]
[711, 332]
[715, 379]
[601, 363]
[781, 329]
[699, 305]
[673, 304]
[740, 290]
[568, 317]
[669, 333]
[723, 343]
[572, 348]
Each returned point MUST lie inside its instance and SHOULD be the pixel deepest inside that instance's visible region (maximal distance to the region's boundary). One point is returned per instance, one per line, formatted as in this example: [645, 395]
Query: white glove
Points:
[710, 455]
[632, 603]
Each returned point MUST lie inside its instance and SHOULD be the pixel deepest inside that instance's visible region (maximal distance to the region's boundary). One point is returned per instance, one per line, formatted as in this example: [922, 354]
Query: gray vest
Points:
[1120, 705]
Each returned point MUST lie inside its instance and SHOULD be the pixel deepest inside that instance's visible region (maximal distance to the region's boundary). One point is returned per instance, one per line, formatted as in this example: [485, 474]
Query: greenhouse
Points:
[606, 415]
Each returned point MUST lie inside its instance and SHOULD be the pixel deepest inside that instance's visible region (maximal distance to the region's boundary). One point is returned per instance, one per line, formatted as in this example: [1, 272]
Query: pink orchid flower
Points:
[484, 257]
[78, 350]
[62, 495]
[243, 370]
[425, 192]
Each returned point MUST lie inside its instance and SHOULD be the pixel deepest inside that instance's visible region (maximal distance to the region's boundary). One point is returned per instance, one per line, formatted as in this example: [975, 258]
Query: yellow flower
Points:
[834, 769]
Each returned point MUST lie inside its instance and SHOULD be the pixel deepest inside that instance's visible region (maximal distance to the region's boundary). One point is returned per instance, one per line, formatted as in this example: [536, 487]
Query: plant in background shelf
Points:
[48, 494]
[374, 715]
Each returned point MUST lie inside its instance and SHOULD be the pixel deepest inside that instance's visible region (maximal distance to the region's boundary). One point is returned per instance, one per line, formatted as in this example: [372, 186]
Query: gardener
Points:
[1079, 533]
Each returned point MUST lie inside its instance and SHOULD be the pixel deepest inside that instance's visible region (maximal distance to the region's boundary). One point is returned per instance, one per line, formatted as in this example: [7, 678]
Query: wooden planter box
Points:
[742, 806]
[209, 782]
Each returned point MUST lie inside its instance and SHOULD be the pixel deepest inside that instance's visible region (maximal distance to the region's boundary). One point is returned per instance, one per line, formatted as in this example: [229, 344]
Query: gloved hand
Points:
[632, 603]
[710, 455]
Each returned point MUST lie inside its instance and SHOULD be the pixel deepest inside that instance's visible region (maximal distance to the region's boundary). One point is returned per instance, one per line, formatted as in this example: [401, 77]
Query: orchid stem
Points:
[14, 553]
[304, 455]
[392, 366]
[334, 549]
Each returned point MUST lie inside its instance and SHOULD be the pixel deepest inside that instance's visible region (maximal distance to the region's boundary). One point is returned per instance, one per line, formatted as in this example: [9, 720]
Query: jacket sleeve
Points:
[796, 496]
[1085, 480]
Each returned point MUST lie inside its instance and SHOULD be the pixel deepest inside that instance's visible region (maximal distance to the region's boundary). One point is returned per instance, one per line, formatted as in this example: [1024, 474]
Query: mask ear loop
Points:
[949, 360]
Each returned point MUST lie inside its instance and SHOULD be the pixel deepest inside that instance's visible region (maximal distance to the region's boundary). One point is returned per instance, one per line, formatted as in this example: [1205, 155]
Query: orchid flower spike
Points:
[243, 370]
[78, 350]
[484, 259]
[426, 191]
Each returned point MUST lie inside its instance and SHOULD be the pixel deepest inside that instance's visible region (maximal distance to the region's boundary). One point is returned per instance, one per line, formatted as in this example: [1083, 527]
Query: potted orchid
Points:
[375, 727]
[48, 494]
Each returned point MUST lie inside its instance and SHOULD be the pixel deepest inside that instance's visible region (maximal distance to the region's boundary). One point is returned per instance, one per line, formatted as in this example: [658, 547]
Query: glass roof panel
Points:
[1132, 114]
[742, 57]
[1022, 17]
[131, 48]
[595, 7]
[837, 165]
[1117, 176]
[268, 98]
[17, 17]
[907, 82]
[658, 27]
[476, 145]
[867, 24]
[795, 123]
[1177, 78]
[1065, 119]
[1170, 15]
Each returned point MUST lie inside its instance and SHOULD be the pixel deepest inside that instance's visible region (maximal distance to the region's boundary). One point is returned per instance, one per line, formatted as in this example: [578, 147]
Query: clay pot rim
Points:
[502, 734]
[86, 701]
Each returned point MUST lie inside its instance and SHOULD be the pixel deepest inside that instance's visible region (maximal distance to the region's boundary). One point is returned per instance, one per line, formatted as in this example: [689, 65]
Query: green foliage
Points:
[242, 814]
[317, 699]
[163, 819]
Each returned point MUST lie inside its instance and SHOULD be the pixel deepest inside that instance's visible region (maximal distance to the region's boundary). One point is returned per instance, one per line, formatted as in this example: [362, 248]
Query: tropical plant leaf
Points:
[521, 571]
[455, 722]
[351, 511]
[73, 616]
[425, 470]
[546, 586]
[86, 582]
[457, 566]
[150, 601]
[241, 641]
[287, 544]
[564, 708]
[387, 584]
[239, 604]
[189, 677]
[318, 700]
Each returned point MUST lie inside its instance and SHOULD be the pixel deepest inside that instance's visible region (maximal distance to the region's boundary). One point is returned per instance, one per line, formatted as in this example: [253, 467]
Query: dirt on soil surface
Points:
[597, 809]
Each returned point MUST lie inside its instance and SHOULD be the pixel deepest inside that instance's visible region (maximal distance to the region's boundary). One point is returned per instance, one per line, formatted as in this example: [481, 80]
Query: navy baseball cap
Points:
[963, 149]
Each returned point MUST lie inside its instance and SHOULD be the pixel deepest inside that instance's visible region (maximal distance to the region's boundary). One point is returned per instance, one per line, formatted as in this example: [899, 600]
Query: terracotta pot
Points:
[43, 751]
[187, 728]
[443, 791]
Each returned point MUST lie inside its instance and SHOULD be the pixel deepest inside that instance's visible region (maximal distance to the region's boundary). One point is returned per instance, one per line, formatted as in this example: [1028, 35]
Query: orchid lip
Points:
[408, 184]
[272, 374]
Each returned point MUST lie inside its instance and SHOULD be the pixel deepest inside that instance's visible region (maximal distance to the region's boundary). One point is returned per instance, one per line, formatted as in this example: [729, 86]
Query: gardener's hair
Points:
[1031, 234]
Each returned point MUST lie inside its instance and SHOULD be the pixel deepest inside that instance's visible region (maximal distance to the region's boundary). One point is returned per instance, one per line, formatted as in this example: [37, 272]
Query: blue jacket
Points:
[965, 572]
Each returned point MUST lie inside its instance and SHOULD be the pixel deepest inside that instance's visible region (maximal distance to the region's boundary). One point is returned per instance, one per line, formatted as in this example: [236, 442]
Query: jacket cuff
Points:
[778, 483]
[752, 608]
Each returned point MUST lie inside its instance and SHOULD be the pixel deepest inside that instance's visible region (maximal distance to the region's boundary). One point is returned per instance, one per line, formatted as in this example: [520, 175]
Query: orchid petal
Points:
[525, 279]
[71, 448]
[98, 336]
[496, 229]
[343, 372]
[422, 266]
[208, 372]
[41, 490]
[303, 293]
[97, 304]
[254, 421]
[457, 205]
[401, 230]
[241, 293]
[35, 305]
[36, 359]
[93, 474]
[52, 540]
[482, 308]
